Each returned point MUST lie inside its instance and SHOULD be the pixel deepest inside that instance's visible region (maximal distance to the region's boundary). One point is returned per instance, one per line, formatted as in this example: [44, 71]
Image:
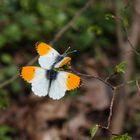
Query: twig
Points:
[130, 44]
[57, 36]
[5, 83]
[112, 100]
[111, 76]
[111, 108]
[125, 83]
[104, 127]
[120, 38]
[137, 84]
[93, 77]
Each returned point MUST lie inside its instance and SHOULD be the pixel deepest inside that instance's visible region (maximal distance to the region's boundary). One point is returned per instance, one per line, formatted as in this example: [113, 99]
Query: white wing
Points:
[37, 77]
[62, 83]
[58, 86]
[47, 55]
[40, 83]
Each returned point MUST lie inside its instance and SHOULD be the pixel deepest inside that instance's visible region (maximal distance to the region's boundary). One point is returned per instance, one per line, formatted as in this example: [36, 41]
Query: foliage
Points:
[120, 68]
[94, 130]
[121, 137]
[4, 130]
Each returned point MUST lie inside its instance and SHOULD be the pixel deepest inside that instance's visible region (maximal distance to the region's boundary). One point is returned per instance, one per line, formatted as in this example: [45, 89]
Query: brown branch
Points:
[57, 36]
[94, 77]
[111, 76]
[137, 84]
[113, 88]
[5, 83]
[111, 107]
[104, 127]
[128, 40]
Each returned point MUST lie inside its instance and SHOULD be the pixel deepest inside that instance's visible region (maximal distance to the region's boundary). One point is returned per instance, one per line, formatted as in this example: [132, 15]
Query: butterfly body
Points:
[45, 80]
[58, 59]
[51, 74]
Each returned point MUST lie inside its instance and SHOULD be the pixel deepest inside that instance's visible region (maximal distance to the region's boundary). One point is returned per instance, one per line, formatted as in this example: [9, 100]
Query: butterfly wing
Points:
[37, 77]
[64, 81]
[40, 83]
[63, 62]
[47, 55]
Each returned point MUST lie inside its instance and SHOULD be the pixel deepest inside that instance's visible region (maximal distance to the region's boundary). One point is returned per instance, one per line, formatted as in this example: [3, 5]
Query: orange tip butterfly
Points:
[45, 80]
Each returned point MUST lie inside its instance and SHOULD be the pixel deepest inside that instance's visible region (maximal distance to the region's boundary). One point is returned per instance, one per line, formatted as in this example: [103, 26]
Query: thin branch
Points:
[104, 127]
[137, 84]
[130, 44]
[5, 83]
[120, 25]
[57, 36]
[112, 100]
[111, 76]
[111, 108]
[125, 83]
[94, 77]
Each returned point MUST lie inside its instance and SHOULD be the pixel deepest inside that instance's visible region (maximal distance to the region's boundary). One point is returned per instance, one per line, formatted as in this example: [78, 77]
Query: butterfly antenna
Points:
[67, 50]
[71, 52]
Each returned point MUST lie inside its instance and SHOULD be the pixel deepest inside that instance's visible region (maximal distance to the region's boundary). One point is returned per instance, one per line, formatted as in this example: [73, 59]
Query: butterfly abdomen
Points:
[51, 74]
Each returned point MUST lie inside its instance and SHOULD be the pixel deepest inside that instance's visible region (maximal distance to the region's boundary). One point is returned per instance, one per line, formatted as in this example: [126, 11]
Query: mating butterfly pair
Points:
[46, 80]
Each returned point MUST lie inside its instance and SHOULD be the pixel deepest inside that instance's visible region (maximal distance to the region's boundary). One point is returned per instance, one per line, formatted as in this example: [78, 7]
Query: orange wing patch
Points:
[43, 48]
[28, 73]
[65, 61]
[73, 81]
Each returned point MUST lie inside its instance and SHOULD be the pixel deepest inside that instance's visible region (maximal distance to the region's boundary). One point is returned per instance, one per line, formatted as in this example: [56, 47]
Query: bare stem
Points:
[94, 77]
[111, 108]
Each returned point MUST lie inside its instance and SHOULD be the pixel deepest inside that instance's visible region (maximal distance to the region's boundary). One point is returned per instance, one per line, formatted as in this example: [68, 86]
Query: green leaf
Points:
[122, 137]
[94, 130]
[6, 58]
[96, 29]
[125, 22]
[4, 103]
[11, 70]
[4, 130]
[73, 92]
[25, 4]
[13, 32]
[109, 16]
[2, 40]
[15, 87]
[120, 68]
[42, 8]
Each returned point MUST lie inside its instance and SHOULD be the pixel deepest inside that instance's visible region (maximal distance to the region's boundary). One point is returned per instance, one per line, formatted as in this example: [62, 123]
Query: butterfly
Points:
[46, 80]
